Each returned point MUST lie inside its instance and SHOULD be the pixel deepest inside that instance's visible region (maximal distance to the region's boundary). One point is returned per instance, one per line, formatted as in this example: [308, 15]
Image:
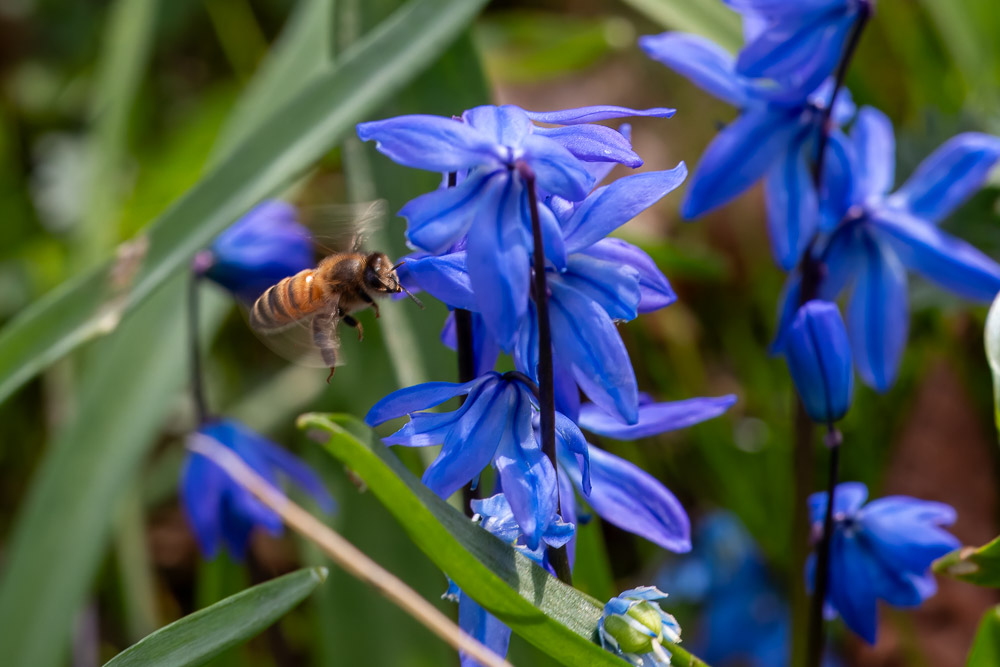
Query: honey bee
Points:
[319, 299]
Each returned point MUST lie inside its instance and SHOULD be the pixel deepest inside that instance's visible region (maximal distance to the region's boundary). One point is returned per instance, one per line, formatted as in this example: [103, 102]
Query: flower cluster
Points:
[848, 235]
[882, 550]
[507, 184]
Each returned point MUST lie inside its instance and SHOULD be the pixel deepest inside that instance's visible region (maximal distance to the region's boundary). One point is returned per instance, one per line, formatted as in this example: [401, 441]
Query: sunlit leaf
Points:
[980, 566]
[985, 650]
[196, 638]
[558, 619]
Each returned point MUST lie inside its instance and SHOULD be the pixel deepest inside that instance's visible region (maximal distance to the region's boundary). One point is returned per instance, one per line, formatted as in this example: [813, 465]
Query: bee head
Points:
[380, 274]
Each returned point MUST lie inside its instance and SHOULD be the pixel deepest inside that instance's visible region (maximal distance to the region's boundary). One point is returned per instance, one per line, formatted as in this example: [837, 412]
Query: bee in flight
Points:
[317, 300]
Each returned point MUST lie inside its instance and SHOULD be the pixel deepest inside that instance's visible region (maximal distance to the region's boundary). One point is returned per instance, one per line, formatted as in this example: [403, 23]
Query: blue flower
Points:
[600, 282]
[880, 550]
[774, 137]
[220, 510]
[258, 250]
[635, 629]
[801, 41]
[494, 514]
[620, 492]
[487, 148]
[881, 235]
[495, 424]
[819, 360]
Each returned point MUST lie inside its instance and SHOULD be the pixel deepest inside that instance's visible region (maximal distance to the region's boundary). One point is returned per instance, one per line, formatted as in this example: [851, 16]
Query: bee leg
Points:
[351, 322]
[370, 301]
[326, 340]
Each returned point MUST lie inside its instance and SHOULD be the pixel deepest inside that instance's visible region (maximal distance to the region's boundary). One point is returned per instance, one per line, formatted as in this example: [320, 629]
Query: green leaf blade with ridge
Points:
[197, 638]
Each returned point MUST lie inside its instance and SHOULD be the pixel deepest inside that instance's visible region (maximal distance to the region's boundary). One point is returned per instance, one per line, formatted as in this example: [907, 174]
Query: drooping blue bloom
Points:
[221, 511]
[620, 492]
[258, 250]
[494, 514]
[774, 137]
[801, 41]
[819, 360]
[881, 235]
[488, 146]
[882, 550]
[601, 281]
[495, 425]
[634, 628]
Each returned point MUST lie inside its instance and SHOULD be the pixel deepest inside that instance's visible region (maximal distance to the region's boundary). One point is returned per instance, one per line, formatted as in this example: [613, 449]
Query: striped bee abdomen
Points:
[291, 299]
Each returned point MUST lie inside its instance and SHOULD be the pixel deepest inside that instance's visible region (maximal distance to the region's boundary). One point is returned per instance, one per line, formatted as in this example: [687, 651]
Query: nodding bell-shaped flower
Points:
[819, 358]
[221, 511]
[880, 550]
[258, 250]
[635, 628]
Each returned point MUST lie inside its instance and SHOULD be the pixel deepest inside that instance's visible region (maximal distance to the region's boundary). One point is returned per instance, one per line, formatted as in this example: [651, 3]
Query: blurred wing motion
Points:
[344, 227]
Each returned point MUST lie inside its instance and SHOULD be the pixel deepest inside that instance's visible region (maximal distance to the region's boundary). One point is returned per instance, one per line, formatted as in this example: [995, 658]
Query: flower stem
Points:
[197, 375]
[811, 274]
[546, 382]
[816, 636]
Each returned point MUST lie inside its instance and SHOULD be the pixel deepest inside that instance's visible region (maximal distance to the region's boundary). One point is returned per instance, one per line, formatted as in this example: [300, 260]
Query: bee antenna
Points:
[399, 265]
[412, 296]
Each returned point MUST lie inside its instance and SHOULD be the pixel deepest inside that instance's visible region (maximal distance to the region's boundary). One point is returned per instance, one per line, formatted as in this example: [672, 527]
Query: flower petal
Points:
[420, 397]
[471, 444]
[498, 260]
[583, 332]
[939, 257]
[526, 474]
[593, 143]
[738, 157]
[655, 291]
[485, 347]
[444, 277]
[593, 114]
[878, 315]
[905, 531]
[296, 470]
[949, 176]
[611, 206]
[852, 585]
[437, 219]
[433, 143]
[654, 418]
[702, 61]
[613, 286]
[875, 149]
[572, 439]
[558, 171]
[483, 626]
[201, 489]
[632, 499]
[792, 206]
[848, 498]
[506, 124]
[818, 353]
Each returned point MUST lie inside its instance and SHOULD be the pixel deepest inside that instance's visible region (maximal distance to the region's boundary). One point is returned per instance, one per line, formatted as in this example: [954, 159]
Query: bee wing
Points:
[297, 341]
[345, 227]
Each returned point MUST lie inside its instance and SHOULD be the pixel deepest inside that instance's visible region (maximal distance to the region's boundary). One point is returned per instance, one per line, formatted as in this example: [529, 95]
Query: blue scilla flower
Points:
[819, 359]
[495, 515]
[635, 628]
[258, 250]
[619, 491]
[490, 147]
[220, 510]
[494, 425]
[799, 42]
[600, 282]
[880, 236]
[882, 550]
[774, 137]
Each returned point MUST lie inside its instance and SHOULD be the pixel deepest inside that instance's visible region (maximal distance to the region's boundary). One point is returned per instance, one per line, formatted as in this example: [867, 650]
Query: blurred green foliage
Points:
[74, 183]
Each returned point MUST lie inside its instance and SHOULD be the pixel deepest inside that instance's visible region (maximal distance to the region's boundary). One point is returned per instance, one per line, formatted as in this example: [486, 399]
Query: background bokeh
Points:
[73, 184]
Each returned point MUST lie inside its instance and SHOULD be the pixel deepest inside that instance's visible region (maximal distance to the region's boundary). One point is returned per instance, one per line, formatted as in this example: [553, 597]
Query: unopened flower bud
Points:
[819, 358]
[635, 628]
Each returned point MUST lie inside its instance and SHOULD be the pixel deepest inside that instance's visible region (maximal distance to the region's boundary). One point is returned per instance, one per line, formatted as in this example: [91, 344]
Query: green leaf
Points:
[293, 138]
[558, 619]
[992, 339]
[985, 650]
[980, 566]
[709, 18]
[195, 639]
